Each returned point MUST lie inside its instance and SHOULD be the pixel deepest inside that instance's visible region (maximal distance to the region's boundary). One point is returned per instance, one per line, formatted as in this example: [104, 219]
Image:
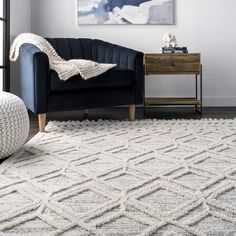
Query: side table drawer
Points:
[173, 68]
[186, 63]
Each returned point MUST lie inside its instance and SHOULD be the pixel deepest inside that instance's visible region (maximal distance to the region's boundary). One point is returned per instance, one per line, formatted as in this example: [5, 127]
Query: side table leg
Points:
[201, 88]
[144, 109]
[196, 90]
[199, 108]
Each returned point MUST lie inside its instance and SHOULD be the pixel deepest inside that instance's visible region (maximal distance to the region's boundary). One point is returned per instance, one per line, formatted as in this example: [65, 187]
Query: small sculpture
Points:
[169, 40]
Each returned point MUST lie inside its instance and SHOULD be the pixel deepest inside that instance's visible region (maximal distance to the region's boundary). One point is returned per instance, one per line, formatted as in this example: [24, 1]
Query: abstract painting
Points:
[156, 12]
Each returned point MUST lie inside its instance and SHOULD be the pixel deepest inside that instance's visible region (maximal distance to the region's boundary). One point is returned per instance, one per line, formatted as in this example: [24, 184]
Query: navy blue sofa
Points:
[43, 92]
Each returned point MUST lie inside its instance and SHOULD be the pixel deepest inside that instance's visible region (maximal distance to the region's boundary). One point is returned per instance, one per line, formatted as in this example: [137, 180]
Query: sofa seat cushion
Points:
[110, 79]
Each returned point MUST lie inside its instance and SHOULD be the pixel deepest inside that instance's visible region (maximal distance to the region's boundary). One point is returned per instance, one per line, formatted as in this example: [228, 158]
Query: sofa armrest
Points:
[125, 58]
[34, 65]
[134, 63]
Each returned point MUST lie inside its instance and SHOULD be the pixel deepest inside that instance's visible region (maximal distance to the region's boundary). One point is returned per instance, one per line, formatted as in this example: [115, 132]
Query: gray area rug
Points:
[149, 177]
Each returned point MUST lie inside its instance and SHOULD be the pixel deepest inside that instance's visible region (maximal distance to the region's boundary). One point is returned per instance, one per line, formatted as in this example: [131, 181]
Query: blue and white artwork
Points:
[159, 12]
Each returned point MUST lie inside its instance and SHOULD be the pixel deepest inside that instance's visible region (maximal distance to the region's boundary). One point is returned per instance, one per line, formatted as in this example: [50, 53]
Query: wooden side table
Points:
[175, 64]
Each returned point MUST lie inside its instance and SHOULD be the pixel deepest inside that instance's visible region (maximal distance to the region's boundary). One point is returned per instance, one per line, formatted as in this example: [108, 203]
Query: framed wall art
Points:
[130, 12]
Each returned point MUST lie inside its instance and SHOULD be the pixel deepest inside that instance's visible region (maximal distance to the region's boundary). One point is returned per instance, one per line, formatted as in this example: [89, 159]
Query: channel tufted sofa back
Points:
[70, 48]
[95, 50]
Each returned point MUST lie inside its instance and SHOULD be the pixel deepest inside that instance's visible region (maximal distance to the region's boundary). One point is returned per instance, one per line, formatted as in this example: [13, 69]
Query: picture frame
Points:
[125, 12]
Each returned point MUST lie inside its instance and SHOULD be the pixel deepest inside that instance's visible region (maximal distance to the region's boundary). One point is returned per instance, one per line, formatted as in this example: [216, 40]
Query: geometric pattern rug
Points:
[150, 177]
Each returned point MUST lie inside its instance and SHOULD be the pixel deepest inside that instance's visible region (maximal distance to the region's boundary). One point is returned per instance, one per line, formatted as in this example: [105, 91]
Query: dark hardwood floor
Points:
[121, 113]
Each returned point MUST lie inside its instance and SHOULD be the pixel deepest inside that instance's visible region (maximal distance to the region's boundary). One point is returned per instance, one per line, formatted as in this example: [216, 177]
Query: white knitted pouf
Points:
[14, 124]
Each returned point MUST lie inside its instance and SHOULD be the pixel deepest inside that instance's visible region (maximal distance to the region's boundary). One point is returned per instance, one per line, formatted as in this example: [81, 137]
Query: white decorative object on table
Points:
[14, 124]
[169, 40]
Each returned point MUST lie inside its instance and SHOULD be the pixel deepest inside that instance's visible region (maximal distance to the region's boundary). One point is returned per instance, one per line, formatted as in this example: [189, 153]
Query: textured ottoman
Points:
[14, 124]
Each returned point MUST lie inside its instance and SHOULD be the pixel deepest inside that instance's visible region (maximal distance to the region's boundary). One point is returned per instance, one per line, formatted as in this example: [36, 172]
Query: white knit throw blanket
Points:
[65, 69]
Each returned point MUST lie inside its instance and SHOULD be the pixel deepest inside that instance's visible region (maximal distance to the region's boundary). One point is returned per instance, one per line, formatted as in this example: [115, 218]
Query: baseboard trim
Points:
[220, 102]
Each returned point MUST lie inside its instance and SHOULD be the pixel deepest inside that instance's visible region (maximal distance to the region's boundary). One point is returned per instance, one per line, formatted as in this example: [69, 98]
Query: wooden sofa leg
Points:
[132, 112]
[42, 122]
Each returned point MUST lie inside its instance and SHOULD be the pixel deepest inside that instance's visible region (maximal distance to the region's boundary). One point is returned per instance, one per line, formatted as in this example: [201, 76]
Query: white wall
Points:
[20, 22]
[204, 26]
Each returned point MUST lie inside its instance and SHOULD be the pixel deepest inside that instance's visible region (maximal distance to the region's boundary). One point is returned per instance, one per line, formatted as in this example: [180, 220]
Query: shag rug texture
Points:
[150, 177]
